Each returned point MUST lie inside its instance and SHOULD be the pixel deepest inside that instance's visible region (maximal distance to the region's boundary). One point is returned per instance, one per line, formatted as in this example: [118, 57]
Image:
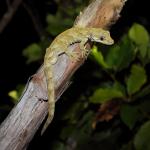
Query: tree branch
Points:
[35, 20]
[19, 127]
[9, 14]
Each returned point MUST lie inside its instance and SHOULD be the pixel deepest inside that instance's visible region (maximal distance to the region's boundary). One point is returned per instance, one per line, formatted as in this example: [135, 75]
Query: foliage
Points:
[141, 140]
[140, 37]
[32, 52]
[122, 72]
[136, 79]
[102, 95]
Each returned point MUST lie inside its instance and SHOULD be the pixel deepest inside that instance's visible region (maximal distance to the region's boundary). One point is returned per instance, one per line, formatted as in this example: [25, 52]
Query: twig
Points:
[9, 14]
[26, 117]
[35, 20]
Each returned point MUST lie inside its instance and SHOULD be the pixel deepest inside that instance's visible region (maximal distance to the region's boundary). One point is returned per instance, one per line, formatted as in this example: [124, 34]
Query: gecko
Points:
[61, 45]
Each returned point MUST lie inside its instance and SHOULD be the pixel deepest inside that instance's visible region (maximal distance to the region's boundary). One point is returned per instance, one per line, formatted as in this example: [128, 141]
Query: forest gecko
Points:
[61, 45]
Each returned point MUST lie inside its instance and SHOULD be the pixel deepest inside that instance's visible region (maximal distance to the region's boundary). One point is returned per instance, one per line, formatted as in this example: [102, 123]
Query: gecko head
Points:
[102, 36]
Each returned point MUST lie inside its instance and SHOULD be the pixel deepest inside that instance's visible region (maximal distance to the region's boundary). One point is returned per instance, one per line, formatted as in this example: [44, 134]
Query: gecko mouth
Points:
[111, 42]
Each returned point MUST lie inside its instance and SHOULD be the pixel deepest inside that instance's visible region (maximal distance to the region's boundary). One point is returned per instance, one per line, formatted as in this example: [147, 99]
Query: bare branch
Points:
[26, 117]
[9, 14]
[35, 20]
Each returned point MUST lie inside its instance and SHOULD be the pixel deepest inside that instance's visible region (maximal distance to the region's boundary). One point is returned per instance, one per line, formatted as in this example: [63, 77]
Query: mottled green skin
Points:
[61, 45]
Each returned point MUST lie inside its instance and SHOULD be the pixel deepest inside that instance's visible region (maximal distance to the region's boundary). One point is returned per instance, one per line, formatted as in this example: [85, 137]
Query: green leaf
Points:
[120, 56]
[139, 35]
[129, 115]
[33, 53]
[141, 140]
[102, 95]
[136, 79]
[14, 95]
[112, 57]
[98, 57]
[119, 86]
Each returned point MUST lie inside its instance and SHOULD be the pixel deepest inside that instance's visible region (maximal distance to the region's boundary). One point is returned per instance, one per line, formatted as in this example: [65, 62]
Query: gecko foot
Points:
[85, 52]
[74, 56]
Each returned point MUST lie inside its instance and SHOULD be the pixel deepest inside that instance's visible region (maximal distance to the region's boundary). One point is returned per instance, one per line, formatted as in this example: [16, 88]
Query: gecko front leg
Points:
[84, 50]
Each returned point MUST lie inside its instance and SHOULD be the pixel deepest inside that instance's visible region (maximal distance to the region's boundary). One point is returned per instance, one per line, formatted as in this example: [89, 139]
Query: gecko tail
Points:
[51, 110]
[48, 121]
[51, 103]
[48, 70]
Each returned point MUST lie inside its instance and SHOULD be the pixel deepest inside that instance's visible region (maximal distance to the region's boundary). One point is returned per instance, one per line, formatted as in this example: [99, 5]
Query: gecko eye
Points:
[102, 38]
